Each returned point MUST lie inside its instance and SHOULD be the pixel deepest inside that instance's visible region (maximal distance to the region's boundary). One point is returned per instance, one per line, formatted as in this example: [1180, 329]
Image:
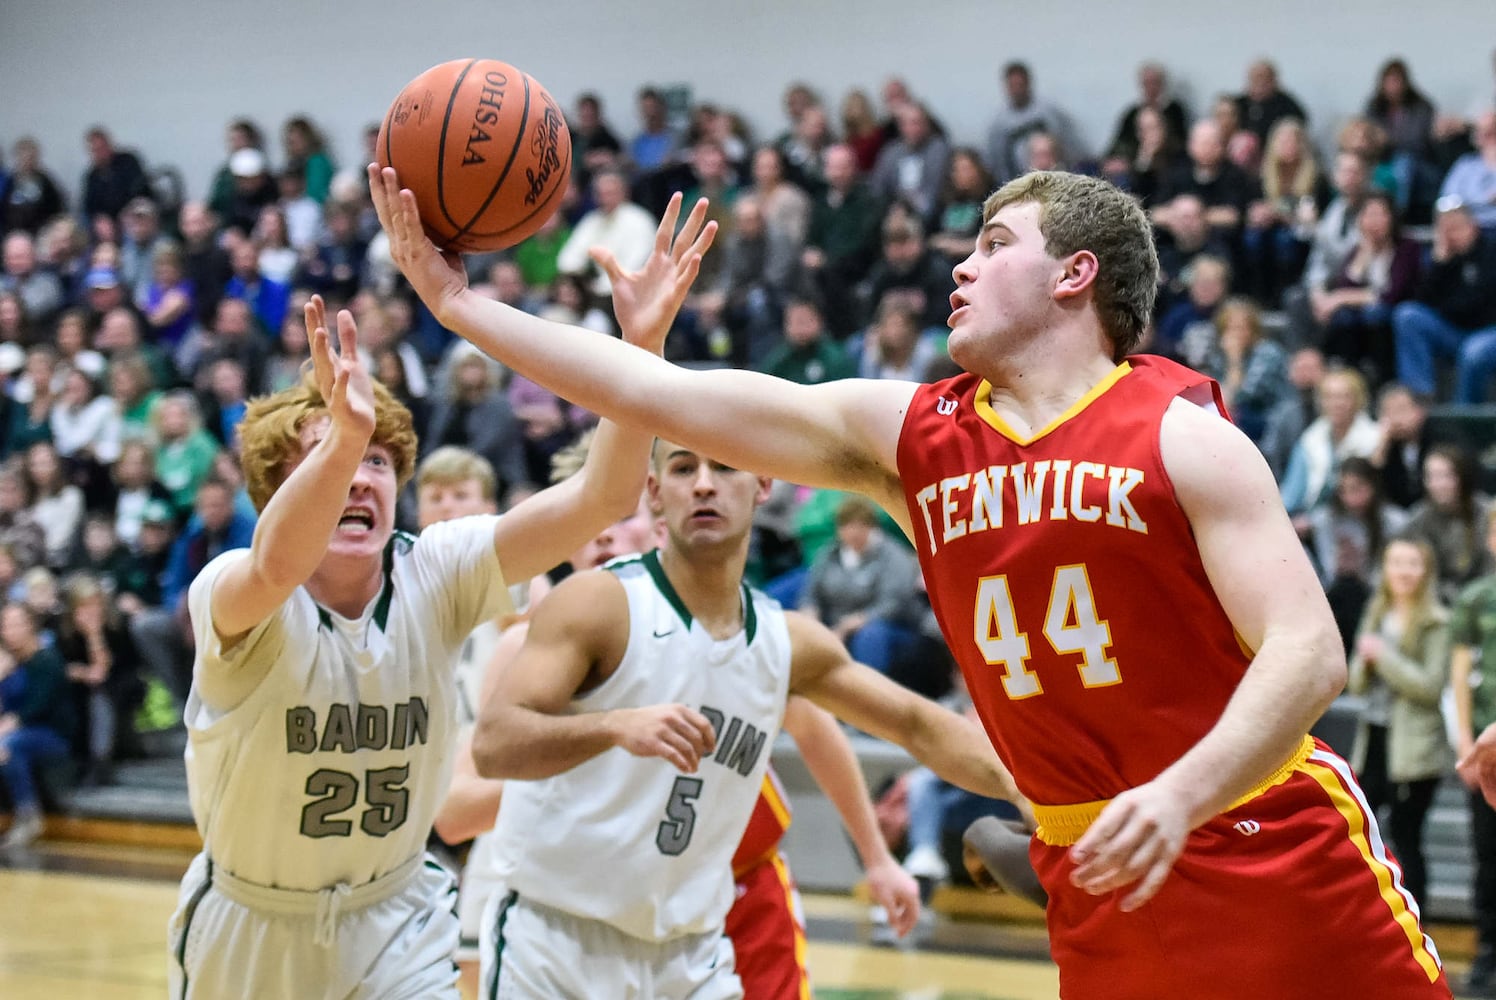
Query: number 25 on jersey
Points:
[1071, 626]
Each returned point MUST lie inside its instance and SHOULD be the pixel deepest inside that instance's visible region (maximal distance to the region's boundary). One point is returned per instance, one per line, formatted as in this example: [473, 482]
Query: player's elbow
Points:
[494, 754]
[1330, 671]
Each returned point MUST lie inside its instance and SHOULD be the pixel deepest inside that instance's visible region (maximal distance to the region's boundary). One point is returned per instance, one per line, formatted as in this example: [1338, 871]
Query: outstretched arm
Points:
[526, 729]
[294, 528]
[1267, 588]
[953, 747]
[833, 764]
[544, 529]
[842, 434]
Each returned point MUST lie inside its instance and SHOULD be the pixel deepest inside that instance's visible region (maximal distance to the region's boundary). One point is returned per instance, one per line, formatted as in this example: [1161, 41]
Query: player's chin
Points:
[357, 544]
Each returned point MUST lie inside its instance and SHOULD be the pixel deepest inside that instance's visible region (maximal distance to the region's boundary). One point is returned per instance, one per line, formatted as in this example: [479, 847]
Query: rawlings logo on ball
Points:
[543, 147]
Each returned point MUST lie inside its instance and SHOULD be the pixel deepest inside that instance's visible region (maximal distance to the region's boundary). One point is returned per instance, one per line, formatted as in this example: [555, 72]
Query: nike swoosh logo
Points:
[661, 635]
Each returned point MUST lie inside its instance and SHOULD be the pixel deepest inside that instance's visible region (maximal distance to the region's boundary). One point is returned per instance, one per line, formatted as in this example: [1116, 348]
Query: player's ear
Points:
[765, 486]
[652, 492]
[1080, 273]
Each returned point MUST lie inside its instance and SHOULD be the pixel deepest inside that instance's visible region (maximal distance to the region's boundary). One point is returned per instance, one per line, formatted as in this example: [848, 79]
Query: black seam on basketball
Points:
[565, 179]
[519, 138]
[389, 132]
[441, 147]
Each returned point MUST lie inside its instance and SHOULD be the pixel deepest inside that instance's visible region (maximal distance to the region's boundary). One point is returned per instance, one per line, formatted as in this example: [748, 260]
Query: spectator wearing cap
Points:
[103, 292]
[114, 177]
[254, 188]
[140, 229]
[39, 290]
[1453, 315]
[139, 578]
[242, 133]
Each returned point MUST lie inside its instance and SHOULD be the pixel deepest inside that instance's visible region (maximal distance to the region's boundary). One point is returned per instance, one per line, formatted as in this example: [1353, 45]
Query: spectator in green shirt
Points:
[184, 451]
[807, 355]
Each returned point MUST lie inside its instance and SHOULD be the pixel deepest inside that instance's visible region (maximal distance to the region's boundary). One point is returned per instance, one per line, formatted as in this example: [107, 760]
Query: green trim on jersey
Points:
[405, 540]
[651, 562]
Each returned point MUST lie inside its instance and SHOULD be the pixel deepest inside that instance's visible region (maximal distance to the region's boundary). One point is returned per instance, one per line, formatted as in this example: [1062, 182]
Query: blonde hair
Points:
[1426, 606]
[1305, 175]
[270, 435]
[450, 465]
[1239, 306]
[1352, 378]
[1082, 213]
[569, 460]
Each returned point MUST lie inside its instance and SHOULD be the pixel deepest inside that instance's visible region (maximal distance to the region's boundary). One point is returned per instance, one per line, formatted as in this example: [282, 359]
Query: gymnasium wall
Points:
[165, 75]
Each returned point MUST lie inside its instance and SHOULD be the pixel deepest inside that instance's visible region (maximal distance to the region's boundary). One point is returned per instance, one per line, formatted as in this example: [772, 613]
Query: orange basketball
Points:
[484, 148]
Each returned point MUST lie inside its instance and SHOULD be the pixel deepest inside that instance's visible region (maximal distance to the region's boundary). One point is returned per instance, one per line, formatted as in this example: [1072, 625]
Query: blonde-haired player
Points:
[321, 720]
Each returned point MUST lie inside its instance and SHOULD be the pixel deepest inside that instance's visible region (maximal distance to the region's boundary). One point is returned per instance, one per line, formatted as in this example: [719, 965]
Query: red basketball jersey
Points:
[1067, 581]
[766, 827]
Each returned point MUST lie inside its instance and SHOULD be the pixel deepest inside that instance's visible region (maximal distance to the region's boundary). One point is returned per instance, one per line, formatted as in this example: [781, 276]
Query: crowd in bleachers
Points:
[1343, 297]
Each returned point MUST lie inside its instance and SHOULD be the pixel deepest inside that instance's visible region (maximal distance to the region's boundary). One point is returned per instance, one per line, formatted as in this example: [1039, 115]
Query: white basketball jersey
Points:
[630, 840]
[332, 767]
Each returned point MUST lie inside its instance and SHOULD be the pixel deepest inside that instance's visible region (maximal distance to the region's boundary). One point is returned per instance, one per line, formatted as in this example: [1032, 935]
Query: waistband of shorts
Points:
[315, 903]
[1061, 826]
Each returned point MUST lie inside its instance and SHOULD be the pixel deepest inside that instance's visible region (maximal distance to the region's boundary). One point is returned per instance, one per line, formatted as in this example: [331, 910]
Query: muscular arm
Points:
[526, 729]
[1267, 588]
[953, 747]
[839, 435]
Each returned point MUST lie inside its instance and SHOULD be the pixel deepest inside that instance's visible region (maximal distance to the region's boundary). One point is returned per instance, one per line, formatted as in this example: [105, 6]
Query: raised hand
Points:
[437, 275]
[342, 379]
[674, 733]
[646, 301]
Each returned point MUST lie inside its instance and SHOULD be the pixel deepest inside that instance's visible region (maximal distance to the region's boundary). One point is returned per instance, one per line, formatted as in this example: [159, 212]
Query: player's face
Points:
[437, 502]
[704, 503]
[635, 533]
[1004, 293]
[368, 517]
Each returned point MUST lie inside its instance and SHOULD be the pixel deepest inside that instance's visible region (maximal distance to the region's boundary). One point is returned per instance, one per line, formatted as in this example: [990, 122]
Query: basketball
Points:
[484, 148]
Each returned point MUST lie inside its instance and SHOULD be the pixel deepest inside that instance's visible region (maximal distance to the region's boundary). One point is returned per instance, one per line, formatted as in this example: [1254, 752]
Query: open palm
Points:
[646, 301]
[342, 379]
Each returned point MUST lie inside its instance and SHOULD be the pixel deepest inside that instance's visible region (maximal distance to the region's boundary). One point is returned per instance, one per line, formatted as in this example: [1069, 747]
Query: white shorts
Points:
[389, 940]
[532, 952]
[479, 883]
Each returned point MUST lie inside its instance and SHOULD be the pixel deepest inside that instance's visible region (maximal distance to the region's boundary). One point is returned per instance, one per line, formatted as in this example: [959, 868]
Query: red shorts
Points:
[1292, 895]
[768, 933]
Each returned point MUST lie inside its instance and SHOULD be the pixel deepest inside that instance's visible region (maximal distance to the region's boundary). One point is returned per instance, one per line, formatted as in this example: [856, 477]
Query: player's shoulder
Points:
[1207, 457]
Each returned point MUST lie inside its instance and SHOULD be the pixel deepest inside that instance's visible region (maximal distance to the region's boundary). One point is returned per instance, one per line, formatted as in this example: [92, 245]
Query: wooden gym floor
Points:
[87, 921]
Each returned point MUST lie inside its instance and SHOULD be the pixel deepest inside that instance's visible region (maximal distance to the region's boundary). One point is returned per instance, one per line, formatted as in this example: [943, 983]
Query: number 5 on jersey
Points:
[1071, 625]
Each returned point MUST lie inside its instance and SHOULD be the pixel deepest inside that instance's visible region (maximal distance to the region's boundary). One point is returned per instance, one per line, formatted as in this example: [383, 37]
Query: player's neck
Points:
[710, 584]
[346, 585]
[1032, 388]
